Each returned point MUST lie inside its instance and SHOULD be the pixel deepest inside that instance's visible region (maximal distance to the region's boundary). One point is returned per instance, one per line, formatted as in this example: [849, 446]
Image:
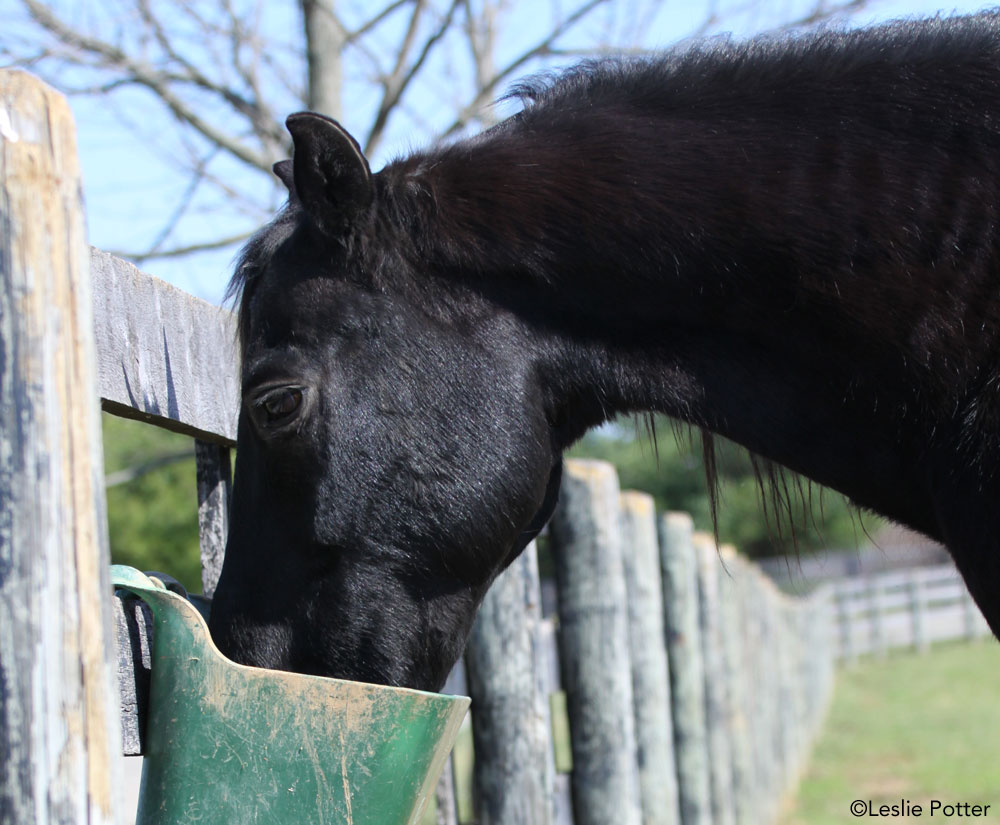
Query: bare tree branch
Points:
[196, 179]
[487, 91]
[481, 35]
[182, 251]
[396, 85]
[376, 21]
[142, 74]
[821, 13]
[223, 72]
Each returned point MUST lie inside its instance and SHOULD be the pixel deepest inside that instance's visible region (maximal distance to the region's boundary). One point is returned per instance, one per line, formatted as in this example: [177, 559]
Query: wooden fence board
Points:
[718, 714]
[903, 608]
[164, 356]
[687, 674]
[134, 644]
[215, 483]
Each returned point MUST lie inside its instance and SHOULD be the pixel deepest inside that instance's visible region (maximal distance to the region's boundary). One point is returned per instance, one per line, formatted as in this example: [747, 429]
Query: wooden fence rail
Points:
[693, 686]
[903, 608]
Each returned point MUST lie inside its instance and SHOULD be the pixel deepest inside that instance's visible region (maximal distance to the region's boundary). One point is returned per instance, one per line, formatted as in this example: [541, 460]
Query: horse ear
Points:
[285, 172]
[330, 174]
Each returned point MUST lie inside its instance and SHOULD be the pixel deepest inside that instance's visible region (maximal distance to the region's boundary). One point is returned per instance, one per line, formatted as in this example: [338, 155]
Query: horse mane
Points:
[576, 176]
[699, 76]
[477, 200]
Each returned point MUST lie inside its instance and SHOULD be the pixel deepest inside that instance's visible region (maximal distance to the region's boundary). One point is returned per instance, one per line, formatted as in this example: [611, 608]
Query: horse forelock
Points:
[253, 260]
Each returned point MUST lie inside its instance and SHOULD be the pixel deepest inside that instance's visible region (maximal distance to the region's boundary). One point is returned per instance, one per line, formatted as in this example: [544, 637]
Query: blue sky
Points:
[130, 190]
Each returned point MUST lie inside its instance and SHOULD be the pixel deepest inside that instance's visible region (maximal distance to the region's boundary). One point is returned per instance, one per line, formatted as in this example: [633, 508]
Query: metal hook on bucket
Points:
[228, 743]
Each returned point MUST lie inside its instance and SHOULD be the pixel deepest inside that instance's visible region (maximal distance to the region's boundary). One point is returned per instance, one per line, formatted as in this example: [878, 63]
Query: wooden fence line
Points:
[744, 664]
[904, 608]
[649, 618]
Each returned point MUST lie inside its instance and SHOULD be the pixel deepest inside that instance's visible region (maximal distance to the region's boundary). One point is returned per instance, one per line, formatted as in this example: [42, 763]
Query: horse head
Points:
[791, 243]
[395, 451]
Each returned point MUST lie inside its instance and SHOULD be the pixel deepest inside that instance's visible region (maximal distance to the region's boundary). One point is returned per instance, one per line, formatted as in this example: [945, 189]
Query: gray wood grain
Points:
[134, 643]
[737, 672]
[687, 681]
[215, 484]
[444, 793]
[514, 770]
[593, 641]
[164, 356]
[654, 728]
[446, 810]
[717, 710]
[59, 729]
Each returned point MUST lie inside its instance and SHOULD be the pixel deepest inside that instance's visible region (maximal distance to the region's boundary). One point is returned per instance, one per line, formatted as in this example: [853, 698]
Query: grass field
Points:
[909, 727]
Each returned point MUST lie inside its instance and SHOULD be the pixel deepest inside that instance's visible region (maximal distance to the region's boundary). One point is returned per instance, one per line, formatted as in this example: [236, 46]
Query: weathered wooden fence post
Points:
[446, 802]
[687, 679]
[786, 713]
[648, 653]
[511, 723]
[717, 710]
[215, 483]
[766, 718]
[743, 614]
[59, 730]
[737, 671]
[593, 632]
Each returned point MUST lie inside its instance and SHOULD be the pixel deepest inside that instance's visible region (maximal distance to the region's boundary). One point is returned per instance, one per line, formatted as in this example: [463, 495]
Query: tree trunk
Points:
[325, 39]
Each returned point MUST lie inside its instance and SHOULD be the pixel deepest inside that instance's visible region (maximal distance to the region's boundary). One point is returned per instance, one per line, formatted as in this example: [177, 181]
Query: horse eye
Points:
[279, 405]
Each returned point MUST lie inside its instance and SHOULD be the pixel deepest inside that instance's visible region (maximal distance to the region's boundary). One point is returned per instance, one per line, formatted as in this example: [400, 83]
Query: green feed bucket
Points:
[229, 744]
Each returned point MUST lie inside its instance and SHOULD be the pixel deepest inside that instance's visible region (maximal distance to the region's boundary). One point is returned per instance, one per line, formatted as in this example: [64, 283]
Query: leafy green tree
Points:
[152, 499]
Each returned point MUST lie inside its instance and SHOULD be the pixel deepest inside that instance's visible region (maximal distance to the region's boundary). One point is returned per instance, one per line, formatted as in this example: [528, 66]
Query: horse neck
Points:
[813, 278]
[828, 302]
[848, 421]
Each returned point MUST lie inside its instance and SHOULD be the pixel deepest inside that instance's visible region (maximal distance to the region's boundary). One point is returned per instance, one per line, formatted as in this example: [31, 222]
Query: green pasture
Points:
[910, 727]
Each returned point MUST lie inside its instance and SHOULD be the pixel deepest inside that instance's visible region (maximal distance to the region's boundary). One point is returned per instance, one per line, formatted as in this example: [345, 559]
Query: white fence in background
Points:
[906, 608]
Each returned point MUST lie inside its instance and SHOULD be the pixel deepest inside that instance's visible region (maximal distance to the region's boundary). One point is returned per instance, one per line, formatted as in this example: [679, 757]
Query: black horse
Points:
[794, 242]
